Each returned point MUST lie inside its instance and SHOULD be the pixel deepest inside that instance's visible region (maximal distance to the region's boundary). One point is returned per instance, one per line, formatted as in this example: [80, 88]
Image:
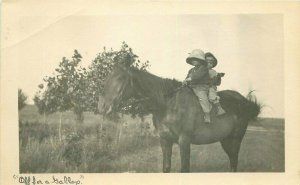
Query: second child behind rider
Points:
[215, 81]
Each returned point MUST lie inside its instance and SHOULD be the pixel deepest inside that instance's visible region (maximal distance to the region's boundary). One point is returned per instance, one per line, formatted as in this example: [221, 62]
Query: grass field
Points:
[133, 146]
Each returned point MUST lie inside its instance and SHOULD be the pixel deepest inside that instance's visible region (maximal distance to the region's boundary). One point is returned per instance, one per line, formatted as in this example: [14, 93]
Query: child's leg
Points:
[202, 95]
[213, 97]
[203, 99]
[212, 94]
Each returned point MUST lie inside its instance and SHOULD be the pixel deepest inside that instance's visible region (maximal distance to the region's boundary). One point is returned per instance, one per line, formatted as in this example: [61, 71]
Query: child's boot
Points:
[207, 117]
[220, 109]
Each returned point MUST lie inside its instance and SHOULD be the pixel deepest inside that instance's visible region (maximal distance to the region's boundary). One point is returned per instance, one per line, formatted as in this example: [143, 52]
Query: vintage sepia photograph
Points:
[107, 98]
[145, 93]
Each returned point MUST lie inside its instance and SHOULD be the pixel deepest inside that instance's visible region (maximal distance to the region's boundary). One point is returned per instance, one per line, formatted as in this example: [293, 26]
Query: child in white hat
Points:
[198, 78]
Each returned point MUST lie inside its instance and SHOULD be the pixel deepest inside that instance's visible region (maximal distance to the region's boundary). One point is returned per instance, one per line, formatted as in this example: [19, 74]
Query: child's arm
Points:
[187, 78]
[188, 75]
[199, 74]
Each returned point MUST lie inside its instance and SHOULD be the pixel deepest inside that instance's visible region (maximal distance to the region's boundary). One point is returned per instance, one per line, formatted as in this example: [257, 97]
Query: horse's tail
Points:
[252, 107]
[246, 108]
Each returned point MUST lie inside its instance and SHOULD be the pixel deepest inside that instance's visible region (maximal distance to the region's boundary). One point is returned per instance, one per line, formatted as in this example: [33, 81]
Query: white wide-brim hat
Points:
[197, 55]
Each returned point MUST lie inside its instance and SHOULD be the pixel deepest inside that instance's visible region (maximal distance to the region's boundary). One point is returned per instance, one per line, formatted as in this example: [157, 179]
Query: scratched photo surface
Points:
[104, 94]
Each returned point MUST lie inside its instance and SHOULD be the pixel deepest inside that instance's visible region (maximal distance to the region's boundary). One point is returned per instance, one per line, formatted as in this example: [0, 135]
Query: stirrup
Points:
[207, 121]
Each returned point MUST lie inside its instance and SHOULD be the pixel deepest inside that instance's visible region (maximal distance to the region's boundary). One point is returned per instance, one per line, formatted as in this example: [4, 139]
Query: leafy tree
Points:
[66, 89]
[44, 107]
[44, 99]
[22, 99]
[72, 84]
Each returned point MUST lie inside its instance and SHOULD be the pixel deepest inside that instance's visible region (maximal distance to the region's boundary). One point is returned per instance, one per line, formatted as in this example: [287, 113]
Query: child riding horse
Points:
[202, 80]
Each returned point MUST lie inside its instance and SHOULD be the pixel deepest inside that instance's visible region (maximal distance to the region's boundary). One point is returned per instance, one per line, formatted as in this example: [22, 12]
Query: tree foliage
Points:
[22, 99]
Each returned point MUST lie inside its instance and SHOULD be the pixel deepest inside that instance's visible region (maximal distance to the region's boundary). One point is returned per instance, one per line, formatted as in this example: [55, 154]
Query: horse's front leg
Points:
[166, 146]
[185, 149]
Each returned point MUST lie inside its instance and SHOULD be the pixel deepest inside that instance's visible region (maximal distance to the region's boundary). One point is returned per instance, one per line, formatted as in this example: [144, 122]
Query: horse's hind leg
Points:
[232, 147]
[166, 146]
[185, 149]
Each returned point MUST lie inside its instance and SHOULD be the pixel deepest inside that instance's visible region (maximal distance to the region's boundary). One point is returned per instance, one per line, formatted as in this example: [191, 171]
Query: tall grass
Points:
[83, 148]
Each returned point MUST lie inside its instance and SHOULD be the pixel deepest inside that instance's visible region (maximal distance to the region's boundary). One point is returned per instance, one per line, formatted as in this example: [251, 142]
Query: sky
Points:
[249, 47]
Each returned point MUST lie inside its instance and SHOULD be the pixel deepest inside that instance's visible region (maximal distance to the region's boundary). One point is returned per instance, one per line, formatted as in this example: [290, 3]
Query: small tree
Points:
[22, 99]
[72, 82]
[44, 108]
[66, 89]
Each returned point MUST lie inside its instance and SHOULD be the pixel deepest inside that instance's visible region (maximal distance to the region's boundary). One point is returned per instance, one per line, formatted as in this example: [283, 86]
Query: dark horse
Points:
[177, 114]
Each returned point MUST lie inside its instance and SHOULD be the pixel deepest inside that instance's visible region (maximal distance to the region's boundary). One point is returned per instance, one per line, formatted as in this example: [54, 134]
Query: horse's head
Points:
[118, 87]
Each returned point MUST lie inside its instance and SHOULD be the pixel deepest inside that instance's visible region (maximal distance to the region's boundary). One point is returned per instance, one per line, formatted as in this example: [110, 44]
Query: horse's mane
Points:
[147, 75]
[156, 87]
